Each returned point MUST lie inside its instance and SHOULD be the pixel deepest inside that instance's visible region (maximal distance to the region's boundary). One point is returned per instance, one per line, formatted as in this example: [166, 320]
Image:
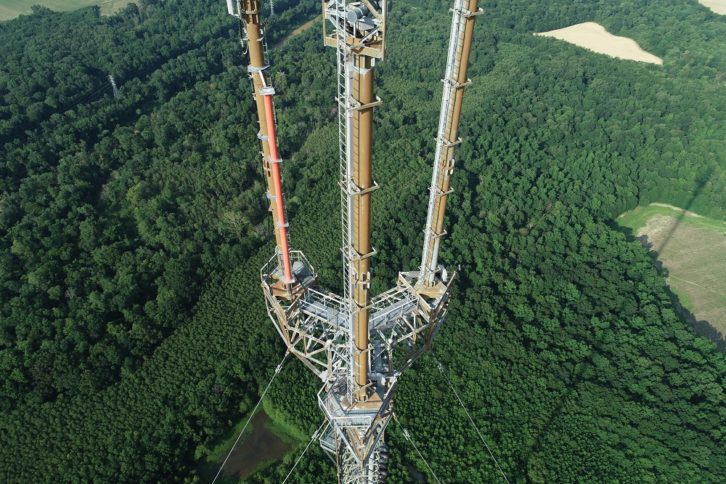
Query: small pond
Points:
[258, 447]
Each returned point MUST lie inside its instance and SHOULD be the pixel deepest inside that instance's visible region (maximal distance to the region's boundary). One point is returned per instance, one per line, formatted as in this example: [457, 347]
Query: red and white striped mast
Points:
[249, 12]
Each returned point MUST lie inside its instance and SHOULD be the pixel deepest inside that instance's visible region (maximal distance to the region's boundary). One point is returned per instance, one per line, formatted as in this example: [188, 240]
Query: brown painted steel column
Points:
[251, 15]
[452, 133]
[363, 179]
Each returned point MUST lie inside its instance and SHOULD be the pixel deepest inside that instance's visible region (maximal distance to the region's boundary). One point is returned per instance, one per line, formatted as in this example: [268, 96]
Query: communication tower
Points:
[357, 344]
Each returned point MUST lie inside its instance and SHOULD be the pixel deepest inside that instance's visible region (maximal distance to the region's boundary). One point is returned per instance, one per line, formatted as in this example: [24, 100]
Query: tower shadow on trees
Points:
[573, 383]
[701, 327]
[701, 182]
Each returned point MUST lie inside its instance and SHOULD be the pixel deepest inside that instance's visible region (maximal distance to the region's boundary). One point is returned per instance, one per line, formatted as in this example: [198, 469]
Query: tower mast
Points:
[455, 81]
[358, 37]
[249, 11]
[356, 344]
[362, 183]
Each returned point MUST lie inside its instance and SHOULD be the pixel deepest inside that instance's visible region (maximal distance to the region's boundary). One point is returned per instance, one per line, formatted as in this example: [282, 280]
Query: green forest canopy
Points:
[132, 330]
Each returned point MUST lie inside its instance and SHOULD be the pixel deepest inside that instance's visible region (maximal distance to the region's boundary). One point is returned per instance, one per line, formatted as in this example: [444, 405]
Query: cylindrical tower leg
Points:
[447, 138]
[362, 178]
[268, 140]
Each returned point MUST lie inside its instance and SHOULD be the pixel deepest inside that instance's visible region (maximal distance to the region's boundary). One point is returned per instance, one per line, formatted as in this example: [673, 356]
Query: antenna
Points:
[116, 93]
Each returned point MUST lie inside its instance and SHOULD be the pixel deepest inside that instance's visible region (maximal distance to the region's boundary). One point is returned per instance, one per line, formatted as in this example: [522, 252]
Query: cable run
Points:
[441, 370]
[252, 414]
[408, 437]
[323, 427]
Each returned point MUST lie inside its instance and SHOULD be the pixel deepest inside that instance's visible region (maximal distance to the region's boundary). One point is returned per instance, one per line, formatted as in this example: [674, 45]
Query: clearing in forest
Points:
[265, 441]
[594, 37]
[718, 6]
[9, 9]
[693, 250]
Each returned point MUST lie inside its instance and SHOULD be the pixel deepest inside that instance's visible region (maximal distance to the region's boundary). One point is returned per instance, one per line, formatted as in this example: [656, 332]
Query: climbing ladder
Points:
[345, 133]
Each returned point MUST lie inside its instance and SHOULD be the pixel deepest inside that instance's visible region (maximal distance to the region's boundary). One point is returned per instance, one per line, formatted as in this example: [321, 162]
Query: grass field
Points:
[10, 9]
[693, 249]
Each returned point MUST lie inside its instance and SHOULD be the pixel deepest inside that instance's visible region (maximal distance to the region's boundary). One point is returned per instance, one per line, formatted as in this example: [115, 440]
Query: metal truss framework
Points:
[323, 330]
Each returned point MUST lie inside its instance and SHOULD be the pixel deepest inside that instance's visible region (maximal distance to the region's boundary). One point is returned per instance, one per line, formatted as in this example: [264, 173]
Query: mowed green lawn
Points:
[693, 249]
[10, 9]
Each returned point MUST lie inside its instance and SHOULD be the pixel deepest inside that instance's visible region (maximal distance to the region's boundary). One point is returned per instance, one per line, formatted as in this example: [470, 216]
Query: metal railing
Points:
[272, 267]
[330, 403]
[390, 306]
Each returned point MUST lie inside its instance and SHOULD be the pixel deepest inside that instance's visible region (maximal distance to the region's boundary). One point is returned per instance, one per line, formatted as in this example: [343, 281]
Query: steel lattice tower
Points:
[358, 345]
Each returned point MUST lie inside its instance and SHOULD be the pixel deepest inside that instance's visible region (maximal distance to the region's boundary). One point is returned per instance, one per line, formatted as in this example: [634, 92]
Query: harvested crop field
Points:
[594, 37]
[693, 250]
[718, 6]
[10, 9]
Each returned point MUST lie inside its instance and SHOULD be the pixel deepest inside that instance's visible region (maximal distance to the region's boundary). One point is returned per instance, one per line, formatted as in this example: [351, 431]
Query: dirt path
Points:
[673, 207]
[299, 30]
